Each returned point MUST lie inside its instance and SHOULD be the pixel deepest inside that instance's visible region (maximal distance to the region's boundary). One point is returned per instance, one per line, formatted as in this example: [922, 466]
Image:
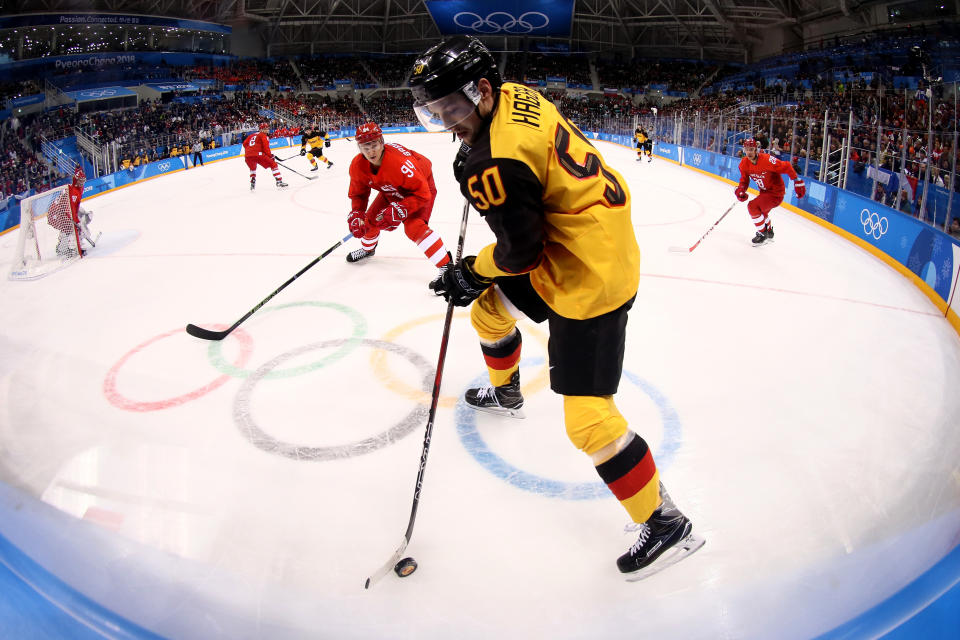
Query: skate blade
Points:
[501, 411]
[670, 557]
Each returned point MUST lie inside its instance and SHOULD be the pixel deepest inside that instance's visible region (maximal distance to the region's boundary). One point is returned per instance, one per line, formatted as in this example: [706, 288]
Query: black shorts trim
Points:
[586, 356]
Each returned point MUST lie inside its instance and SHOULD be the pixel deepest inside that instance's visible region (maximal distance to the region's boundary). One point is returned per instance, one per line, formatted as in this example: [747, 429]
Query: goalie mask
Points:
[79, 177]
[444, 81]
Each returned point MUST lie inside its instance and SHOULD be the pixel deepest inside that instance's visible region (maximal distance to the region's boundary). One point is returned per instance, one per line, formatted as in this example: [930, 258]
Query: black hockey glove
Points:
[326, 143]
[461, 284]
[460, 160]
[303, 151]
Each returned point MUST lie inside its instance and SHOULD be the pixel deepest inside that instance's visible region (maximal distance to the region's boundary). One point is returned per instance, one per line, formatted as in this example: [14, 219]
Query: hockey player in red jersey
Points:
[765, 171]
[404, 179]
[256, 151]
[72, 230]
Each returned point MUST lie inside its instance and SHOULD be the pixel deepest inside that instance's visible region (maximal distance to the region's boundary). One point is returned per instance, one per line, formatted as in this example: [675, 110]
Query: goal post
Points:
[48, 239]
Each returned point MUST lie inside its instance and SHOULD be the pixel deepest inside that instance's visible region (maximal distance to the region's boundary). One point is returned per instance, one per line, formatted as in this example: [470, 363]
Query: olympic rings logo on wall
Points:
[163, 166]
[98, 93]
[873, 224]
[501, 22]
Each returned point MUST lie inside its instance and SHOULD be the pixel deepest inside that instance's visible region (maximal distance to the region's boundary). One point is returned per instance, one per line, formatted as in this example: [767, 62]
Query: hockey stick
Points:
[296, 172]
[395, 558]
[296, 155]
[207, 334]
[689, 250]
[92, 242]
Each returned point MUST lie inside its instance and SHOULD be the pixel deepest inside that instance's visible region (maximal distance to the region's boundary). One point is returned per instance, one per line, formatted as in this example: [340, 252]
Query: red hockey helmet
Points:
[368, 132]
[79, 177]
[750, 142]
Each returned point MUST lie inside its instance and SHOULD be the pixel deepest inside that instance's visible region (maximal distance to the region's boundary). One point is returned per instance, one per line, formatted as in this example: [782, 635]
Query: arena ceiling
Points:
[709, 29]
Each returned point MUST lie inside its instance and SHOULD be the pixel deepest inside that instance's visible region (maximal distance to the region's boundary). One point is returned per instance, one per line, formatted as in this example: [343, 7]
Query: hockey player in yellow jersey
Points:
[643, 143]
[565, 252]
[317, 138]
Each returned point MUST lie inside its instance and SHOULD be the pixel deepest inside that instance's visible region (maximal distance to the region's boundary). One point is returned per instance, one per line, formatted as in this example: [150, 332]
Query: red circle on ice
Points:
[115, 398]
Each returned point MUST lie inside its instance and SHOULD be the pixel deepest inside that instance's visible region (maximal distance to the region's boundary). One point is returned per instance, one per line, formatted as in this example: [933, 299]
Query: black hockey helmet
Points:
[453, 66]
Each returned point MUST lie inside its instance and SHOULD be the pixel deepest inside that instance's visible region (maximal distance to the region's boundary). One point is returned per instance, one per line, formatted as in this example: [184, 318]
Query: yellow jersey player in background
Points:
[317, 138]
[565, 252]
[644, 143]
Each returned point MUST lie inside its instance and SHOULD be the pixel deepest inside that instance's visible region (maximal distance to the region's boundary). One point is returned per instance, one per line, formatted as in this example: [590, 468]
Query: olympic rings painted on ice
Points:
[379, 364]
[474, 443]
[115, 398]
[215, 351]
[253, 433]
[501, 22]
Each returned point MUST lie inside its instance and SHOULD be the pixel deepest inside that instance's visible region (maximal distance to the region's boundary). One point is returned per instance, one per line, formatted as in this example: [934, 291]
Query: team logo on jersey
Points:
[874, 224]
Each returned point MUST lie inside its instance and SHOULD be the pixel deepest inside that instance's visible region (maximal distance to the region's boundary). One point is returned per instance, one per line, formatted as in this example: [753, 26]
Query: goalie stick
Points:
[689, 250]
[296, 172]
[392, 561]
[207, 334]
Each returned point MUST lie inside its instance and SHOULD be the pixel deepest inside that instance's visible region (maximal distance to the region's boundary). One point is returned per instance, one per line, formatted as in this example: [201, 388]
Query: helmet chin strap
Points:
[487, 119]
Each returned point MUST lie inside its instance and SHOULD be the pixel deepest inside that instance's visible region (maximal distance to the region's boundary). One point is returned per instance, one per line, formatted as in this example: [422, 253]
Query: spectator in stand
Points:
[955, 227]
[905, 205]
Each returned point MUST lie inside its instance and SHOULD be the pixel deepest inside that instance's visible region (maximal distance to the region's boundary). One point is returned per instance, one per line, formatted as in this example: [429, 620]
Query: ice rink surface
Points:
[801, 400]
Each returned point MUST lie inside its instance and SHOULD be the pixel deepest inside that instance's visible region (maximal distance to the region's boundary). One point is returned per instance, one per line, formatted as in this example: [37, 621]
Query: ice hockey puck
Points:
[405, 567]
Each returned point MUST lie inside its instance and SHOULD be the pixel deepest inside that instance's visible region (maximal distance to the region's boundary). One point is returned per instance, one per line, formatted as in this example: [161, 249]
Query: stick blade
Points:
[206, 334]
[388, 565]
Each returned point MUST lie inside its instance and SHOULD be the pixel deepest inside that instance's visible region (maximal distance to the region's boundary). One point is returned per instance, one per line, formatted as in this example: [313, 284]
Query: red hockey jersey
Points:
[76, 194]
[256, 144]
[765, 173]
[403, 176]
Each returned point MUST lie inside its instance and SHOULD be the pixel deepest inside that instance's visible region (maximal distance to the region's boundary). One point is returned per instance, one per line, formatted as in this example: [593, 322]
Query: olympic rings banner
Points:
[502, 17]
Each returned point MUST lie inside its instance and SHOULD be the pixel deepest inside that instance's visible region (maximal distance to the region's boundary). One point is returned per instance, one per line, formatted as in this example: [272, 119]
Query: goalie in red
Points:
[765, 171]
[76, 227]
[256, 151]
[404, 179]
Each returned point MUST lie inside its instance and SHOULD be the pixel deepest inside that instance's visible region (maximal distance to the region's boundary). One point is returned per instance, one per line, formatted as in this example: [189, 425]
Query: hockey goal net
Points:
[48, 239]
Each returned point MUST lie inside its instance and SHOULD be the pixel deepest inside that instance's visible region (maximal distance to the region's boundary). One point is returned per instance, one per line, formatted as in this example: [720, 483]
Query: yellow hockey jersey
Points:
[314, 139]
[557, 210]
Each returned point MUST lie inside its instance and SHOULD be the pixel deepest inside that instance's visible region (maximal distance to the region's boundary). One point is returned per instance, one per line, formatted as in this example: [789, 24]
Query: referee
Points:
[197, 155]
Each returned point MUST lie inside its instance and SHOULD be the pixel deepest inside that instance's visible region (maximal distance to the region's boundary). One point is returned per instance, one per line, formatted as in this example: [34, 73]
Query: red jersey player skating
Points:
[404, 179]
[256, 151]
[765, 171]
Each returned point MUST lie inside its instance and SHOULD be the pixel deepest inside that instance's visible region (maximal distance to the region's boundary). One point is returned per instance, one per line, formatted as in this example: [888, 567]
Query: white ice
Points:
[800, 398]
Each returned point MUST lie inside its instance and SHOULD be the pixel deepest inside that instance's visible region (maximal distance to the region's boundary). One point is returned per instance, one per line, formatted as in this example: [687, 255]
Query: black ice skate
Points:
[769, 233]
[253, 184]
[315, 168]
[503, 400]
[436, 284]
[281, 184]
[664, 540]
[759, 239]
[329, 164]
[360, 254]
